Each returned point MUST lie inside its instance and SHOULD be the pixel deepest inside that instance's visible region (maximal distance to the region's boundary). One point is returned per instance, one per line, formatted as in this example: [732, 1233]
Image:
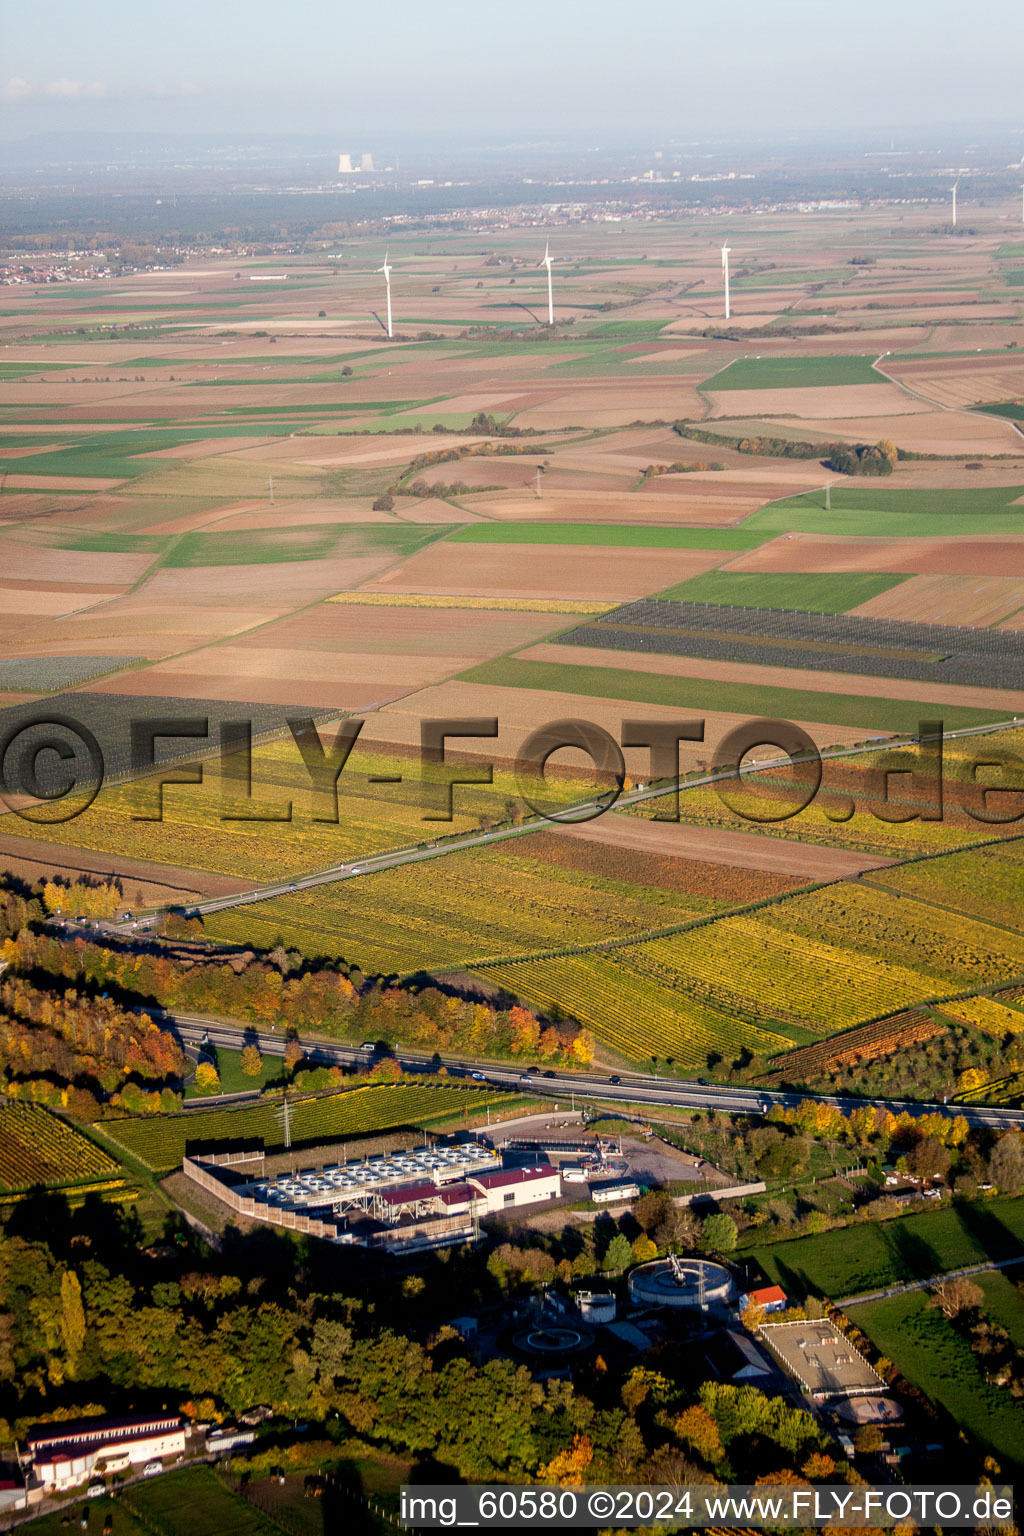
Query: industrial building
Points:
[429, 1198]
[61, 1456]
[821, 1359]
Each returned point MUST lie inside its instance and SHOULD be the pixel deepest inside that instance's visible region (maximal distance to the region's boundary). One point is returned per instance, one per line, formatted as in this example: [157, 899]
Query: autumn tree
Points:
[868, 1440]
[207, 1078]
[568, 1467]
[696, 1428]
[955, 1295]
[1006, 1164]
[252, 1061]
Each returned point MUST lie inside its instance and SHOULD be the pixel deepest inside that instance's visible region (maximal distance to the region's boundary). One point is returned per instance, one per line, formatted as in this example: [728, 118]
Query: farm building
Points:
[818, 1356]
[60, 1456]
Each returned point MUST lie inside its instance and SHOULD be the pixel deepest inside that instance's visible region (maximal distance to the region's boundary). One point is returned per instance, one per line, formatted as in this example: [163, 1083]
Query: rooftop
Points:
[514, 1176]
[767, 1296]
[818, 1356]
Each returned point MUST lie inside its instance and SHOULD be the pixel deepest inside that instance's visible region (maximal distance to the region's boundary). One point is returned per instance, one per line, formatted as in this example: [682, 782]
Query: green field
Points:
[1004, 1301]
[876, 511]
[793, 373]
[315, 542]
[194, 1502]
[1009, 408]
[929, 1352]
[809, 593]
[872, 713]
[161, 1141]
[643, 535]
[232, 1078]
[865, 1258]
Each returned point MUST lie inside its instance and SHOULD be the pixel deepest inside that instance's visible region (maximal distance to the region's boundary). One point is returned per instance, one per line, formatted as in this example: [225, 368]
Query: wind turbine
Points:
[953, 190]
[387, 279]
[551, 300]
[725, 274]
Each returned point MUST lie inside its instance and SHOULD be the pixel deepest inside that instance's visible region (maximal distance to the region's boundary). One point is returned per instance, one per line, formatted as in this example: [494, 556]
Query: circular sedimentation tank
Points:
[684, 1283]
[553, 1340]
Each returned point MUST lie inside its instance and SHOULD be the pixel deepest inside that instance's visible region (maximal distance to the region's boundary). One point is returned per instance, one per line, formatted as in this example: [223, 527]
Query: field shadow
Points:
[991, 1235]
[913, 1258]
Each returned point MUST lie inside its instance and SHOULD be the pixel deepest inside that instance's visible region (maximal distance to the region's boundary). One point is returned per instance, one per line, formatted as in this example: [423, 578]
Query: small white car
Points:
[152, 1469]
[96, 1490]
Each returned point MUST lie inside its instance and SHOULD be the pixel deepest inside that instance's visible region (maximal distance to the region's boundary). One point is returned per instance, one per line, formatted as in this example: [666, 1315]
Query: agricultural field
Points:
[497, 901]
[38, 1147]
[810, 593]
[861, 1044]
[751, 699]
[195, 1502]
[865, 1258]
[161, 1141]
[793, 373]
[930, 1353]
[235, 501]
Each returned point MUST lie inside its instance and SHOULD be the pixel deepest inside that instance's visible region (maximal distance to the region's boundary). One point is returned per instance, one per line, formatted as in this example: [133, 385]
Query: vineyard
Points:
[879, 1038]
[47, 674]
[496, 902]
[633, 1010]
[161, 1141]
[371, 817]
[985, 882]
[856, 778]
[848, 643]
[37, 1147]
[814, 963]
[988, 1014]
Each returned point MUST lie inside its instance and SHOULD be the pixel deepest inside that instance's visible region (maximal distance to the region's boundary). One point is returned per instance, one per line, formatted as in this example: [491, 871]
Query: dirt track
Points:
[717, 845]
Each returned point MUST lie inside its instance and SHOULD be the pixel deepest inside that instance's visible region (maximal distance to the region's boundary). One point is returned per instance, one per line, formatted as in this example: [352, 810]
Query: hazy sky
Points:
[656, 68]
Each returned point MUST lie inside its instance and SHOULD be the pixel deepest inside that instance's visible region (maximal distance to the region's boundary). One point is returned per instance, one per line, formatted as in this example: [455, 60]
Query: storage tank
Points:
[697, 1284]
[596, 1306]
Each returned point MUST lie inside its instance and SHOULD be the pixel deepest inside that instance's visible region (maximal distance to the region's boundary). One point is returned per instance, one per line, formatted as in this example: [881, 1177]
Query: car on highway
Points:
[524, 1077]
[478, 1077]
[615, 1079]
[549, 1073]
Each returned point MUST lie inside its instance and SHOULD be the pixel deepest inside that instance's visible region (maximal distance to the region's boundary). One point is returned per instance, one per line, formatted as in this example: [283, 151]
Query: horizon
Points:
[668, 78]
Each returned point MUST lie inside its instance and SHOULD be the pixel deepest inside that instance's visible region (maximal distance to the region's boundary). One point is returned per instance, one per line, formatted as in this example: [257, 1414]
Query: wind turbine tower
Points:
[953, 190]
[725, 277]
[551, 297]
[387, 283]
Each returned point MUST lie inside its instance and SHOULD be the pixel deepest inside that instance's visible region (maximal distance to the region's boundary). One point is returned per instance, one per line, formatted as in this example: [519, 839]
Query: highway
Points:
[583, 811]
[627, 1088]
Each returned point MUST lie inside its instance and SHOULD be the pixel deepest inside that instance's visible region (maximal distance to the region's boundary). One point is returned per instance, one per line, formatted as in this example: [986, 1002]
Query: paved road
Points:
[627, 1087]
[375, 863]
[925, 1285]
